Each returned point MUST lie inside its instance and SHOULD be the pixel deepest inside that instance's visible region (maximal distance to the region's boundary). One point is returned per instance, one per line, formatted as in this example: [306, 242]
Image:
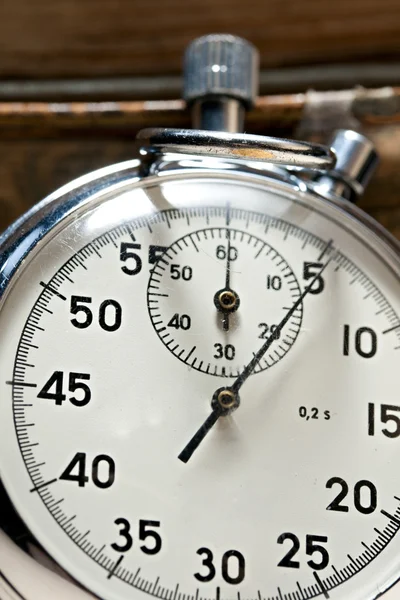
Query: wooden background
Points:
[58, 38]
[48, 48]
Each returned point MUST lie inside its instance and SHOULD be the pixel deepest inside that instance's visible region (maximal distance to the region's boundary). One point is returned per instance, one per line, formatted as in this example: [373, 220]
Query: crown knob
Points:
[220, 81]
[221, 65]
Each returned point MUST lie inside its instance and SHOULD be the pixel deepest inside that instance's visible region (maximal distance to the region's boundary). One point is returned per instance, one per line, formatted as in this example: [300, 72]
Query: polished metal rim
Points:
[239, 146]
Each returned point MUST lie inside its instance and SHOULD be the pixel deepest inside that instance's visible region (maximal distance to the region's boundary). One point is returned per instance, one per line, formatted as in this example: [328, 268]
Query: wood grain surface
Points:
[88, 38]
[43, 145]
[125, 118]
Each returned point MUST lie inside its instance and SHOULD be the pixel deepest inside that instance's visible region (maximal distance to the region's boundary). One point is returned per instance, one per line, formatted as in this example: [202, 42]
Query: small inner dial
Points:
[217, 292]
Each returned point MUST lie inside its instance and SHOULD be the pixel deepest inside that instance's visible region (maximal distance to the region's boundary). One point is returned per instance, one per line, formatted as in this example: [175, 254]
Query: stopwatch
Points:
[199, 368]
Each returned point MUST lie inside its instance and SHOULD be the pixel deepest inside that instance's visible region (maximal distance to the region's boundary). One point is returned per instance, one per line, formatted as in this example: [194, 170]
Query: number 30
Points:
[226, 570]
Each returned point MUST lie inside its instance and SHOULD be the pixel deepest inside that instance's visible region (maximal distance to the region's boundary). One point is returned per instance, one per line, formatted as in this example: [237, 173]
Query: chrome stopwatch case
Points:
[199, 369]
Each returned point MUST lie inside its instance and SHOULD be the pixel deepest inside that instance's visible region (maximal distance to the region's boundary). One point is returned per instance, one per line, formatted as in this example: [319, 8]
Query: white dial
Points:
[186, 300]
[292, 495]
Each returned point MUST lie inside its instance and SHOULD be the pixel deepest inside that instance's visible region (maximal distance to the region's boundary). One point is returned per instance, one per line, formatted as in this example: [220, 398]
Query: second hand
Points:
[221, 405]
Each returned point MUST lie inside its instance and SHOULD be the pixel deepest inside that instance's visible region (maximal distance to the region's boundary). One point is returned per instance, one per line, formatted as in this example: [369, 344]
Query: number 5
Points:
[145, 532]
[310, 270]
[312, 547]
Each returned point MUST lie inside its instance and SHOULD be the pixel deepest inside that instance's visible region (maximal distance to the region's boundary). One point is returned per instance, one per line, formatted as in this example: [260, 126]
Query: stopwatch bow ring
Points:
[238, 146]
[220, 84]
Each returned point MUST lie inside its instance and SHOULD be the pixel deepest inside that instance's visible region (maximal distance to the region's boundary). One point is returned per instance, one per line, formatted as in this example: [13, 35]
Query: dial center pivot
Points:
[227, 300]
[225, 401]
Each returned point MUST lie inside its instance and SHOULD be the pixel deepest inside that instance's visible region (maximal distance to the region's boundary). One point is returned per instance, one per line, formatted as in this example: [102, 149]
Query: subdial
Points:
[188, 300]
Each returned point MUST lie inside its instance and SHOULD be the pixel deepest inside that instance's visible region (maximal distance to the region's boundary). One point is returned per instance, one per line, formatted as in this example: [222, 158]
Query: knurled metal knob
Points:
[221, 65]
[356, 161]
[356, 158]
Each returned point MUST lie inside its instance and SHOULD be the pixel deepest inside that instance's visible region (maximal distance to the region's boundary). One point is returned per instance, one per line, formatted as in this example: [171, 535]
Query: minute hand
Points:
[249, 368]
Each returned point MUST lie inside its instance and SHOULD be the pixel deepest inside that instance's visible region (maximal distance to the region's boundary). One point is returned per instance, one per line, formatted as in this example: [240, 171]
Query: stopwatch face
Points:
[116, 333]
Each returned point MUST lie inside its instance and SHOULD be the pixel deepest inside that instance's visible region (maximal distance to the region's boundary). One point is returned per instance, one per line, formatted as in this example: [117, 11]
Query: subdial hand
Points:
[226, 400]
[227, 300]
